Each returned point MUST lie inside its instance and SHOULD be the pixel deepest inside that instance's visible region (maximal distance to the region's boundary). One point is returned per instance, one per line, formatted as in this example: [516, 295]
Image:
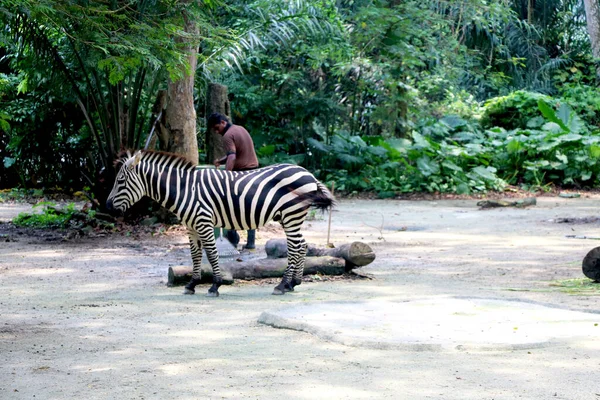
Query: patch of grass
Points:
[19, 194]
[50, 217]
[578, 287]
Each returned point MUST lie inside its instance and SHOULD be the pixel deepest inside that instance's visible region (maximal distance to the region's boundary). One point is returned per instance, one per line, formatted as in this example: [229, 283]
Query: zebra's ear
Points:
[137, 157]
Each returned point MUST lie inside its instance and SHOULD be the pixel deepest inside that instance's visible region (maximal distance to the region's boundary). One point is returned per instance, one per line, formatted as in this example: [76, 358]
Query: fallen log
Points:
[259, 268]
[530, 201]
[356, 253]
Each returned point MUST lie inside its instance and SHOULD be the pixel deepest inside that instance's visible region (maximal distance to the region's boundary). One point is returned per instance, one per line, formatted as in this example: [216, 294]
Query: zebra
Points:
[207, 198]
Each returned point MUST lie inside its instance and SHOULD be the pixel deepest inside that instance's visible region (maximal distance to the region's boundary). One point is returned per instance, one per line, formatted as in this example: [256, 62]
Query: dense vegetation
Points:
[379, 96]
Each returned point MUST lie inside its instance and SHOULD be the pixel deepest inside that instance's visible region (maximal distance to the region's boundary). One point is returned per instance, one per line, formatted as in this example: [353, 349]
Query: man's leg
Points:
[232, 236]
[251, 237]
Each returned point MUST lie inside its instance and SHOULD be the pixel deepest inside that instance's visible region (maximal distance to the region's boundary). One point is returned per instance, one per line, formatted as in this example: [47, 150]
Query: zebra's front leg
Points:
[196, 250]
[207, 235]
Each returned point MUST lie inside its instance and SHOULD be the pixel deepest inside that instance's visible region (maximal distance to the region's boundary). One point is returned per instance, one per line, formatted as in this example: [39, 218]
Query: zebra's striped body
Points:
[208, 198]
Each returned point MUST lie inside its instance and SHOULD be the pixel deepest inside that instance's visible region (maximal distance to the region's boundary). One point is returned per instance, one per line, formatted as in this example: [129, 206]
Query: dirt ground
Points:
[92, 318]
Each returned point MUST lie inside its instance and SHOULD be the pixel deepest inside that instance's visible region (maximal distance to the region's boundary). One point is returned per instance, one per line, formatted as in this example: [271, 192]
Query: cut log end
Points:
[357, 254]
[591, 264]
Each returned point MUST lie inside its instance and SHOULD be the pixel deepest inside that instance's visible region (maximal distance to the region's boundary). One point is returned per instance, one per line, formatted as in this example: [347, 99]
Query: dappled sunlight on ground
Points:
[94, 319]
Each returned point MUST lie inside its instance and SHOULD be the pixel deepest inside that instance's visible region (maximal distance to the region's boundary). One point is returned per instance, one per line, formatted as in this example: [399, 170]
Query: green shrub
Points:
[50, 217]
[512, 111]
[562, 151]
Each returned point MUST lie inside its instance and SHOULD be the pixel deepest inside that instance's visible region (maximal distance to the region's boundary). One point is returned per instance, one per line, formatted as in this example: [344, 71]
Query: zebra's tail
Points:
[322, 199]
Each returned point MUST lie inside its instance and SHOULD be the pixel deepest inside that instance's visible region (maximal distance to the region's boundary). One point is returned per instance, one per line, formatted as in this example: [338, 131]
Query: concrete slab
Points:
[438, 324]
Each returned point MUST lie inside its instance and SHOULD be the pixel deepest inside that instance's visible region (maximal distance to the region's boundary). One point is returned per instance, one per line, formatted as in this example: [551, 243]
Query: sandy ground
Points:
[92, 318]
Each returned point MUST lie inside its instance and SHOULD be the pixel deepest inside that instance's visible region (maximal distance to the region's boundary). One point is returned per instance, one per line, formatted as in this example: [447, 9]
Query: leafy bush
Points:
[585, 102]
[457, 156]
[48, 218]
[560, 151]
[512, 111]
[396, 165]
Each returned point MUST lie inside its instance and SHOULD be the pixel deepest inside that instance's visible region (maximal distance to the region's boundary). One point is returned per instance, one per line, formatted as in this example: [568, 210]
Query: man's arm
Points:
[220, 161]
[230, 162]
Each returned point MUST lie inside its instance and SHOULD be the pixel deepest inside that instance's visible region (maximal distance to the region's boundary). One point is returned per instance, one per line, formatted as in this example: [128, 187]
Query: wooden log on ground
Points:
[182, 274]
[530, 201]
[259, 268]
[356, 253]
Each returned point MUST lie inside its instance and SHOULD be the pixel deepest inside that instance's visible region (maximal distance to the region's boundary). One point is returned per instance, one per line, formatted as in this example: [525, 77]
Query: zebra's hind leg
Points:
[299, 266]
[196, 250]
[207, 236]
[296, 253]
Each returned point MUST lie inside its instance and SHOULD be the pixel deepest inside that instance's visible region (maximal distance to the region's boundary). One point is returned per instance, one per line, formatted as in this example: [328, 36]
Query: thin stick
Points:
[329, 224]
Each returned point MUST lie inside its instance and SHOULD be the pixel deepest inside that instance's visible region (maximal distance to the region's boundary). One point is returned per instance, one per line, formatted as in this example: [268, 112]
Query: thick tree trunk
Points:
[180, 119]
[592, 12]
[216, 101]
[259, 268]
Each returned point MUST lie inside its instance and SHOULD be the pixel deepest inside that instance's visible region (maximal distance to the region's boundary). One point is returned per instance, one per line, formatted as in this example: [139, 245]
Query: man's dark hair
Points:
[215, 118]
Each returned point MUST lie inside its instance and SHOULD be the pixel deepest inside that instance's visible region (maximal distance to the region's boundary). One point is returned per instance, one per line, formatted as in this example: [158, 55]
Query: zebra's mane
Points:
[125, 155]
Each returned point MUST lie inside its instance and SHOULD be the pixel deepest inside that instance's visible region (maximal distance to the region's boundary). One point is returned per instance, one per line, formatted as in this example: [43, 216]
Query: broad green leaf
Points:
[564, 113]
[453, 121]
[451, 165]
[427, 166]
[357, 140]
[420, 141]
[535, 122]
[595, 151]
[463, 188]
[320, 146]
[550, 115]
[570, 137]
[514, 146]
[576, 124]
[586, 175]
[552, 127]
[562, 157]
[545, 146]
[487, 173]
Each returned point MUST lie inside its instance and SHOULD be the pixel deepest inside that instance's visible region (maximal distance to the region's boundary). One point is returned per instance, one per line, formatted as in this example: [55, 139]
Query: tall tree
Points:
[592, 12]
[181, 114]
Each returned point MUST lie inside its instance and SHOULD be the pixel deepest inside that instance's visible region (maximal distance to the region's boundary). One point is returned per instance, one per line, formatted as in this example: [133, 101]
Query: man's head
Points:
[217, 123]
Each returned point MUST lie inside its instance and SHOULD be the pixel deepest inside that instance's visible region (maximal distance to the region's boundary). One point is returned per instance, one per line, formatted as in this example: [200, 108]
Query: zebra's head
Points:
[128, 188]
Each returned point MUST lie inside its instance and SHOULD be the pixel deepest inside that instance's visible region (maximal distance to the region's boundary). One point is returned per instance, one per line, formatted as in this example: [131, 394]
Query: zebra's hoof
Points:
[212, 294]
[188, 291]
[278, 292]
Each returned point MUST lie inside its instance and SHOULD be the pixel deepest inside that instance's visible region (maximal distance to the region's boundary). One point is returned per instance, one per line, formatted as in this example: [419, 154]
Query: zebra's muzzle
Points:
[110, 207]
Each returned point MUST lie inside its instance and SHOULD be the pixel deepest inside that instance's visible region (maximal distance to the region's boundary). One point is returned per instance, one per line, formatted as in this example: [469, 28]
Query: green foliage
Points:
[49, 217]
[457, 156]
[559, 151]
[376, 95]
[19, 194]
[512, 111]
[401, 165]
[577, 287]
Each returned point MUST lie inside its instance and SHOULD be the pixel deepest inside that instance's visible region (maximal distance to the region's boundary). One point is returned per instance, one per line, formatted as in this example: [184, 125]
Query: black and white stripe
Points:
[208, 198]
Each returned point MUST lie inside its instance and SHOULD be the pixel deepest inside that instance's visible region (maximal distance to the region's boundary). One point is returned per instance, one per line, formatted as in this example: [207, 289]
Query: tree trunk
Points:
[216, 101]
[180, 118]
[592, 12]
